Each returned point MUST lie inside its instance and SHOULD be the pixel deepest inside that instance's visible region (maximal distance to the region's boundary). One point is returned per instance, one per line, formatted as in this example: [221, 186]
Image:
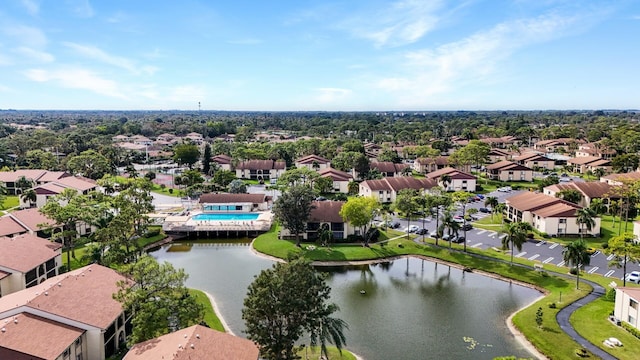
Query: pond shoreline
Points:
[518, 336]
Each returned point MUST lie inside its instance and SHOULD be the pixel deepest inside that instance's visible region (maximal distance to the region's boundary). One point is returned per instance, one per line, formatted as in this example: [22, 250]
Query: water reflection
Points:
[411, 308]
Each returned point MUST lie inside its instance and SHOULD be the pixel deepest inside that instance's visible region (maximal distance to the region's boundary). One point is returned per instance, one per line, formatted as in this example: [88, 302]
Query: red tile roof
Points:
[326, 211]
[13, 176]
[9, 226]
[388, 166]
[32, 219]
[36, 336]
[507, 165]
[542, 205]
[195, 342]
[25, 252]
[310, 159]
[58, 296]
[261, 165]
[453, 173]
[335, 175]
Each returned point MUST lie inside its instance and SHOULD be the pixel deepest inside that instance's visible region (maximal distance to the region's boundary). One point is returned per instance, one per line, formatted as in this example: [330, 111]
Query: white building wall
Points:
[625, 309]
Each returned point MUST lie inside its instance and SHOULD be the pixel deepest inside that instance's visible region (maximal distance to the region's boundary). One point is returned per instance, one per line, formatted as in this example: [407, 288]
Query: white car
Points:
[412, 229]
[633, 277]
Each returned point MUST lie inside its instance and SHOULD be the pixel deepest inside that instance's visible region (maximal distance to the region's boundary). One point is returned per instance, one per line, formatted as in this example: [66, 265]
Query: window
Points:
[66, 353]
[633, 304]
[632, 320]
[79, 341]
[562, 221]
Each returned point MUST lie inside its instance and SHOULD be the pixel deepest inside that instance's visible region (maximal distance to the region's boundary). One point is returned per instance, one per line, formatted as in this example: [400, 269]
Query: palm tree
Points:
[599, 172]
[29, 196]
[23, 184]
[598, 206]
[449, 224]
[515, 235]
[325, 235]
[585, 219]
[445, 180]
[499, 209]
[576, 255]
[492, 202]
[329, 330]
[425, 202]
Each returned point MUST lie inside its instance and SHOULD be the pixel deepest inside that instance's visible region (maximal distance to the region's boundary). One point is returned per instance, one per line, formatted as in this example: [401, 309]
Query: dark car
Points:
[458, 239]
[466, 227]
[484, 210]
[422, 231]
[394, 225]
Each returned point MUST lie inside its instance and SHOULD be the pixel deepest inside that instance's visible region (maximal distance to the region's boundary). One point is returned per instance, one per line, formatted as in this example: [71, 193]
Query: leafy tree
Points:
[351, 160]
[237, 186]
[206, 160]
[359, 212]
[499, 209]
[222, 178]
[157, 298]
[389, 155]
[90, 164]
[548, 181]
[585, 219]
[325, 235]
[597, 206]
[286, 302]
[3, 194]
[570, 195]
[576, 255]
[293, 208]
[353, 187]
[450, 224]
[441, 199]
[68, 209]
[406, 204]
[515, 236]
[298, 176]
[625, 163]
[186, 154]
[40, 159]
[445, 180]
[625, 250]
[323, 185]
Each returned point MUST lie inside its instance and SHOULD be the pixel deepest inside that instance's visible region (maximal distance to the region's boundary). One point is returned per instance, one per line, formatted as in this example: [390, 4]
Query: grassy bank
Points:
[210, 317]
[560, 291]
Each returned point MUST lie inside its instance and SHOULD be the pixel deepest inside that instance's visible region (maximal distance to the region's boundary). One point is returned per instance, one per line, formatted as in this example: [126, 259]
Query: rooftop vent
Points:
[3, 330]
[46, 293]
[197, 336]
[192, 346]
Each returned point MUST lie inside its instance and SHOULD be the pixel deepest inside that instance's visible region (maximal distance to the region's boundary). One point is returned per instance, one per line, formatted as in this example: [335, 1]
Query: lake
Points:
[411, 308]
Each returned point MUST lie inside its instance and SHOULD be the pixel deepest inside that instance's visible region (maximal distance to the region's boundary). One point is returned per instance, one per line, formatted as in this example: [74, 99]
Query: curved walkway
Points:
[563, 320]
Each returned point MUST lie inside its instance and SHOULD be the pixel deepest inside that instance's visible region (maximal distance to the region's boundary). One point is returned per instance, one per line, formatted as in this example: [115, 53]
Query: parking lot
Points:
[545, 252]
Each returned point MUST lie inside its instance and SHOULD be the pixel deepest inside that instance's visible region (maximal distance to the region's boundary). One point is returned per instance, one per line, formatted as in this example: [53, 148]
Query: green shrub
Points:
[610, 295]
[573, 271]
[170, 190]
[582, 352]
[635, 332]
[605, 245]
[552, 305]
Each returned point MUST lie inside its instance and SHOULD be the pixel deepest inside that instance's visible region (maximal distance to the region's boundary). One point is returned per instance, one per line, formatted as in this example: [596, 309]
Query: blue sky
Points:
[319, 55]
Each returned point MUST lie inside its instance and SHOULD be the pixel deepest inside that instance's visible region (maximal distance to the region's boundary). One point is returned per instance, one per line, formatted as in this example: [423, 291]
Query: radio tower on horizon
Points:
[198, 106]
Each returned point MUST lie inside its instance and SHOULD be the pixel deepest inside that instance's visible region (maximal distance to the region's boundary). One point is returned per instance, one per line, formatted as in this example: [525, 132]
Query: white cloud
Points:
[32, 6]
[77, 79]
[473, 59]
[39, 56]
[404, 22]
[5, 89]
[81, 8]
[331, 95]
[27, 35]
[98, 54]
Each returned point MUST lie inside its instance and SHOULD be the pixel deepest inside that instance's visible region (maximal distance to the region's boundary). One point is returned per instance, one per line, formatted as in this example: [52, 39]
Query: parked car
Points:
[466, 227]
[394, 224]
[433, 234]
[633, 277]
[422, 231]
[446, 237]
[591, 250]
[411, 229]
[484, 210]
[505, 189]
[458, 219]
[458, 239]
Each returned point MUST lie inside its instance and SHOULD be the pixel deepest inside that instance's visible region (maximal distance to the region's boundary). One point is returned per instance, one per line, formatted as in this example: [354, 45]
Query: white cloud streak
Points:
[98, 54]
[77, 79]
[36, 55]
[32, 6]
[331, 95]
[404, 22]
[26, 35]
[473, 59]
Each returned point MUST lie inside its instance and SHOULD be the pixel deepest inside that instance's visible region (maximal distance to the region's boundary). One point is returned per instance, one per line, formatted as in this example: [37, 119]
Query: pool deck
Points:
[186, 223]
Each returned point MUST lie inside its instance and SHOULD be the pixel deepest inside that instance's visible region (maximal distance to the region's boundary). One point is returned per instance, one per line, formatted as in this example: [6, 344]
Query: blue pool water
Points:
[226, 216]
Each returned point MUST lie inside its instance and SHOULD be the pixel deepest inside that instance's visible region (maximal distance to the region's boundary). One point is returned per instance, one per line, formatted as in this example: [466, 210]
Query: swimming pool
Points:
[226, 216]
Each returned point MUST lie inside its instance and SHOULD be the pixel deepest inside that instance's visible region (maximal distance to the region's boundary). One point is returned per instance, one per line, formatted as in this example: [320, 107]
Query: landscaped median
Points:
[560, 291]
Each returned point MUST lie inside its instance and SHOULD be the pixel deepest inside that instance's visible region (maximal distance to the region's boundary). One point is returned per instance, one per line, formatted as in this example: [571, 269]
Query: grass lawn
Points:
[9, 202]
[549, 339]
[596, 313]
[210, 316]
[314, 353]
[166, 191]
